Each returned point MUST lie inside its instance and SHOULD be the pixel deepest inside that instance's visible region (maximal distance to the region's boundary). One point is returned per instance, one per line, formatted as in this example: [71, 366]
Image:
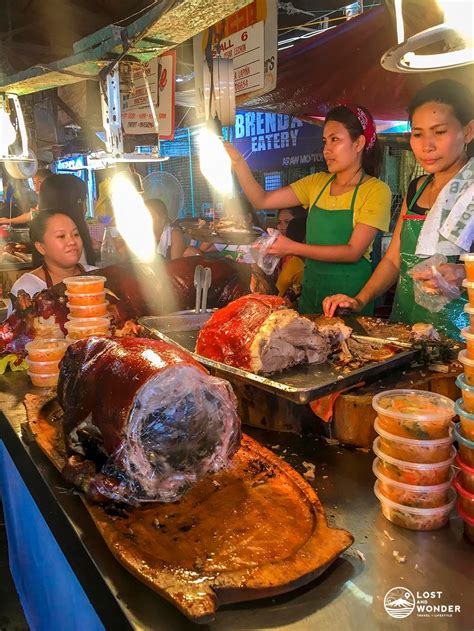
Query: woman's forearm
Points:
[385, 276]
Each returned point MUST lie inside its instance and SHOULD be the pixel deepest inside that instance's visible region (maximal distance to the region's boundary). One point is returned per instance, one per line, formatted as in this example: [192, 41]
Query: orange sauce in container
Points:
[468, 260]
[468, 364]
[85, 284]
[79, 328]
[88, 311]
[46, 350]
[85, 300]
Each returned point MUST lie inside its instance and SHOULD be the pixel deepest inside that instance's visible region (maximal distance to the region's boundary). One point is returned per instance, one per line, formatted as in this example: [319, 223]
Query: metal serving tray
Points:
[300, 384]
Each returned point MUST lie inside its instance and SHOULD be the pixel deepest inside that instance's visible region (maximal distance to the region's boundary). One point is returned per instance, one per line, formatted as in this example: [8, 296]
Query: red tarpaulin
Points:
[343, 64]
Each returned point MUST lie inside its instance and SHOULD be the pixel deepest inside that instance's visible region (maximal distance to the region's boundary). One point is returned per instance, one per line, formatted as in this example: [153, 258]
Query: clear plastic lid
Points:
[413, 488]
[467, 334]
[84, 280]
[467, 256]
[417, 466]
[462, 439]
[46, 343]
[86, 307]
[87, 323]
[33, 364]
[463, 466]
[462, 385]
[468, 283]
[413, 442]
[468, 309]
[42, 375]
[424, 512]
[460, 411]
[461, 490]
[464, 359]
[418, 405]
[87, 296]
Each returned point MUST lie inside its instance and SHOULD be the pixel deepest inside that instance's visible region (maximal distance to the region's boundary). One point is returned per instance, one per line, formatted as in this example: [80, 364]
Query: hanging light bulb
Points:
[453, 37]
[7, 131]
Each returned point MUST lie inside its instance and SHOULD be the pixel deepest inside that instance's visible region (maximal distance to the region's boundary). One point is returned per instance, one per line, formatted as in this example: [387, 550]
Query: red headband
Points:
[367, 123]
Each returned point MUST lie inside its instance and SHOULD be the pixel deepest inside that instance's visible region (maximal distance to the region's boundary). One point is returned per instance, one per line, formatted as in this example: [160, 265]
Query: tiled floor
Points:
[11, 613]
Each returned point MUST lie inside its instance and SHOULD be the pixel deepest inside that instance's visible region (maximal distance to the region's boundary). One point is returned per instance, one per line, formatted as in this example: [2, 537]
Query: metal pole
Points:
[191, 181]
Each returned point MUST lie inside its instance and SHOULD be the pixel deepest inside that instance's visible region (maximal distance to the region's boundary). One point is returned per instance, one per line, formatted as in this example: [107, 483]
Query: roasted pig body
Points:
[143, 421]
[133, 292]
[260, 334]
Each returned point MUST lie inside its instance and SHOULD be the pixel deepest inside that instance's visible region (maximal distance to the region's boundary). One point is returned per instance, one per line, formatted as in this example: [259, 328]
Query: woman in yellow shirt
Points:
[348, 206]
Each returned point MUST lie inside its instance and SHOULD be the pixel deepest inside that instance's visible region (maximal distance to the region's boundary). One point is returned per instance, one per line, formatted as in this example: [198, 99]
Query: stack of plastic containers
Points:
[87, 307]
[464, 430]
[414, 452]
[43, 357]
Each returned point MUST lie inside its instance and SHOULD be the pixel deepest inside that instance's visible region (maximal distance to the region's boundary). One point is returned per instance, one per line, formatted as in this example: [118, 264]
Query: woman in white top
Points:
[56, 238]
[169, 240]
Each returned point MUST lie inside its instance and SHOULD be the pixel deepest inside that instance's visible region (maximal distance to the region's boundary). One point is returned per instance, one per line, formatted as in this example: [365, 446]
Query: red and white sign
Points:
[136, 115]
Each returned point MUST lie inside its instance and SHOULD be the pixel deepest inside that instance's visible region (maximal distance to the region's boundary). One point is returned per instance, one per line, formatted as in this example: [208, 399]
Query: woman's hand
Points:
[282, 246]
[331, 303]
[452, 273]
[234, 154]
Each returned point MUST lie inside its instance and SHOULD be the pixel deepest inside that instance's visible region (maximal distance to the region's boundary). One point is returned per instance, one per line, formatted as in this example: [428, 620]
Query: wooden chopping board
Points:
[254, 530]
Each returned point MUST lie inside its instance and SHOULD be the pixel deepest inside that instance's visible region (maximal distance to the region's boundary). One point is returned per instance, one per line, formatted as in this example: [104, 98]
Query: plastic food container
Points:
[84, 300]
[90, 311]
[414, 413]
[469, 337]
[468, 259]
[85, 284]
[411, 450]
[465, 446]
[470, 312]
[467, 420]
[467, 393]
[466, 474]
[412, 495]
[466, 499]
[468, 523]
[413, 472]
[79, 328]
[46, 350]
[469, 285]
[415, 518]
[43, 368]
[44, 380]
[468, 367]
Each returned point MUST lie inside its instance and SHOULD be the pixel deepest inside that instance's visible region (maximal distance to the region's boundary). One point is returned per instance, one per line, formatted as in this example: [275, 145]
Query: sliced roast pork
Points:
[261, 334]
[143, 420]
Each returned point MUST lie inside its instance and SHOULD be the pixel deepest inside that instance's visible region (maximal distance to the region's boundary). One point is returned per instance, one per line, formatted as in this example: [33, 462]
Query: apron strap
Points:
[47, 275]
[355, 191]
[323, 189]
[419, 192]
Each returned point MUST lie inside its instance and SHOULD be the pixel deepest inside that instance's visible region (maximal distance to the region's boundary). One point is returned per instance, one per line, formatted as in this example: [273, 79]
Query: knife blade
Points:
[349, 319]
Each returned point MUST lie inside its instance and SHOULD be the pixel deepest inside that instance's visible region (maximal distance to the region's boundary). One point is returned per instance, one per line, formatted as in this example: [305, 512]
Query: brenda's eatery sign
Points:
[271, 142]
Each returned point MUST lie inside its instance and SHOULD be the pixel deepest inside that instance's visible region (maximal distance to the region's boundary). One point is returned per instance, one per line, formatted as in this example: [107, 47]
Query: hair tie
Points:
[367, 124]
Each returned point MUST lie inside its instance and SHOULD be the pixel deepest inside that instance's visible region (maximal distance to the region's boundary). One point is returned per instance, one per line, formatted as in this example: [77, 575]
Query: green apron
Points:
[452, 317]
[321, 278]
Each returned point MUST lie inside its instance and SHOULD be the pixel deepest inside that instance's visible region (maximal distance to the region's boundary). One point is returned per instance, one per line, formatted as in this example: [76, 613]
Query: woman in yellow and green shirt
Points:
[348, 206]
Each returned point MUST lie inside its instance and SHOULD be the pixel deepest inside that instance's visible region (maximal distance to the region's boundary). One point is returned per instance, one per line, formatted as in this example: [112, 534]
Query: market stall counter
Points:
[67, 578]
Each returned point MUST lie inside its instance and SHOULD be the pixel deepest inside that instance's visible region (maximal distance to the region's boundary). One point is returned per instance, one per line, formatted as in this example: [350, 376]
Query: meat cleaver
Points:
[350, 320]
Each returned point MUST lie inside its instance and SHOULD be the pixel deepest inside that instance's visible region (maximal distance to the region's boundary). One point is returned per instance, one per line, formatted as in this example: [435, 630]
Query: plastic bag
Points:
[260, 247]
[428, 297]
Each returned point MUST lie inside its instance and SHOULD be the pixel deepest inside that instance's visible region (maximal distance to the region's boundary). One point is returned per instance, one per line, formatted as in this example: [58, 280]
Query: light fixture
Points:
[214, 161]
[8, 133]
[452, 36]
[112, 121]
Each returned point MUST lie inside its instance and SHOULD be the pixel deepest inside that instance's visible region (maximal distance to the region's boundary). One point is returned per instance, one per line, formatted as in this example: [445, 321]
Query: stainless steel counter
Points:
[348, 596]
